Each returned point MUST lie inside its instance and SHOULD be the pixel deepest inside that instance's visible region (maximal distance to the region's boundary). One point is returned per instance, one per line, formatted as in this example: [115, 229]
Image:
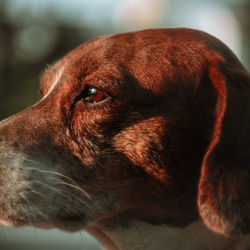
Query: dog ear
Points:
[224, 188]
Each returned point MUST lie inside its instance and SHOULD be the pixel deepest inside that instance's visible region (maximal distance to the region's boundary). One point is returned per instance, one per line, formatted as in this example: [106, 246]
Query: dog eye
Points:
[94, 95]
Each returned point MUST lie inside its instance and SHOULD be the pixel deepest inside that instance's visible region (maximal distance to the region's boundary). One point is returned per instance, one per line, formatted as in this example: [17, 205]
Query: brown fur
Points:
[173, 129]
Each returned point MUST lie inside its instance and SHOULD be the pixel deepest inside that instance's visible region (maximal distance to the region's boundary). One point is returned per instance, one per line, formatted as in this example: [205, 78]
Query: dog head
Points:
[133, 126]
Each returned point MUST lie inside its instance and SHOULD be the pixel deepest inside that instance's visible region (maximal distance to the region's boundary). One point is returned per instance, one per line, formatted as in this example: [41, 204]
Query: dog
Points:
[141, 139]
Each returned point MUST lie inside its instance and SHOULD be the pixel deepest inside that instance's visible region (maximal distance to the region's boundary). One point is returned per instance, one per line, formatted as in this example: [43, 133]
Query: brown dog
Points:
[139, 139]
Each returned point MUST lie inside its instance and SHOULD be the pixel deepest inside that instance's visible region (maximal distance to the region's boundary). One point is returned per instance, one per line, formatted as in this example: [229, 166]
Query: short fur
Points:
[168, 145]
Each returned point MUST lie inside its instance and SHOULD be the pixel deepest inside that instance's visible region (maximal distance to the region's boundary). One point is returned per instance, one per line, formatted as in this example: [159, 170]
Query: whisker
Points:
[38, 211]
[64, 176]
[50, 187]
[52, 173]
[29, 207]
[51, 208]
[61, 192]
[38, 193]
[67, 195]
[75, 187]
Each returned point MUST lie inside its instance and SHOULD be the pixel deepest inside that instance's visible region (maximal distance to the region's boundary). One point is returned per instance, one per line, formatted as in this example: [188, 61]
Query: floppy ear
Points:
[224, 188]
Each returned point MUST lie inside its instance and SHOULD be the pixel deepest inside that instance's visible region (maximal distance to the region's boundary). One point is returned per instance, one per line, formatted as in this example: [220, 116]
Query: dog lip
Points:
[20, 223]
[12, 223]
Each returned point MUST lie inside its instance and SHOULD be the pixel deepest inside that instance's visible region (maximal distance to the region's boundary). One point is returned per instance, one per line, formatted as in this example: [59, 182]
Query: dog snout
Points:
[27, 128]
[39, 175]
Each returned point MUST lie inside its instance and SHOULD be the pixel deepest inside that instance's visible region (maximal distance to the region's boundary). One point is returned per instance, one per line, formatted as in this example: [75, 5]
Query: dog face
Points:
[132, 126]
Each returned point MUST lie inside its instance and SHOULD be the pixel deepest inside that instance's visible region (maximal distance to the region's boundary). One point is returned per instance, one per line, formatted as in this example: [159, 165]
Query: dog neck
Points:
[142, 236]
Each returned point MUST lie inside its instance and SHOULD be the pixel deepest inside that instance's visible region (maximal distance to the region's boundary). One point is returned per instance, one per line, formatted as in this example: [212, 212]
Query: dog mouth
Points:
[68, 224]
[11, 221]
[65, 223]
[20, 223]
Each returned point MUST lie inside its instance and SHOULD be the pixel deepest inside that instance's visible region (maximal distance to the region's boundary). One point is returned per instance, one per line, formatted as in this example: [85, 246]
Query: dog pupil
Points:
[92, 91]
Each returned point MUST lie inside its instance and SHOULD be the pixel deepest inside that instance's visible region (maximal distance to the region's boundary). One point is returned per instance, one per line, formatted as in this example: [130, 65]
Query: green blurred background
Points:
[35, 33]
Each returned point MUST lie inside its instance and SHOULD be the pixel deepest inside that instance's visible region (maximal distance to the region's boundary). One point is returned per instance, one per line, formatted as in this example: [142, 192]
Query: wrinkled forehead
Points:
[150, 58]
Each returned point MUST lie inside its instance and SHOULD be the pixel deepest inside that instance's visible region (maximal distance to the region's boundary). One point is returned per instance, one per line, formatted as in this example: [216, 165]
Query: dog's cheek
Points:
[85, 131]
[143, 144]
[93, 127]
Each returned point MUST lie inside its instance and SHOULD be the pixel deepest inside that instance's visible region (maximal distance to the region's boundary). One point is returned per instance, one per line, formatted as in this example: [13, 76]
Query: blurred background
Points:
[35, 33]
